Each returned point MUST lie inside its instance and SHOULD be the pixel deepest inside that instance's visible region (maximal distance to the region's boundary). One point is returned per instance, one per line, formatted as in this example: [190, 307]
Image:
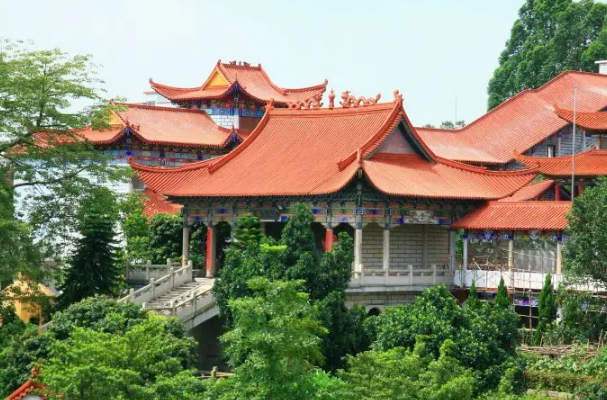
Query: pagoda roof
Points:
[517, 215]
[591, 163]
[531, 191]
[155, 203]
[519, 123]
[596, 121]
[319, 151]
[162, 125]
[252, 80]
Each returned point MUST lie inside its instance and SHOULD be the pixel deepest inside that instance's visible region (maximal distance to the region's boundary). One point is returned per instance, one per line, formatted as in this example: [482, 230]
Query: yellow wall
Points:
[216, 80]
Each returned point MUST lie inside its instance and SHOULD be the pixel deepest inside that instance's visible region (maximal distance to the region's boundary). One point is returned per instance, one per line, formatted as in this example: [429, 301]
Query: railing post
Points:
[410, 275]
[172, 304]
[147, 270]
[132, 295]
[153, 285]
[434, 274]
[169, 262]
[195, 302]
[172, 273]
[143, 305]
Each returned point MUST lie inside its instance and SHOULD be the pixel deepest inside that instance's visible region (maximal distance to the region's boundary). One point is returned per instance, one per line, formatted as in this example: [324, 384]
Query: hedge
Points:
[558, 381]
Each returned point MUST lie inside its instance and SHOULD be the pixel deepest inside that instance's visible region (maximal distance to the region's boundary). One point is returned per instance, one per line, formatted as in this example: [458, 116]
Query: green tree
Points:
[166, 237]
[18, 359]
[403, 374]
[546, 309]
[473, 302]
[136, 228]
[549, 37]
[274, 344]
[94, 268]
[501, 298]
[38, 92]
[586, 251]
[247, 231]
[91, 364]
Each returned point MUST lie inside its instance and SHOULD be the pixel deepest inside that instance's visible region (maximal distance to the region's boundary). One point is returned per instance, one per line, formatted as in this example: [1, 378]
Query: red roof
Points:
[164, 125]
[591, 163]
[308, 152]
[518, 215]
[252, 80]
[531, 192]
[155, 203]
[27, 388]
[588, 120]
[520, 122]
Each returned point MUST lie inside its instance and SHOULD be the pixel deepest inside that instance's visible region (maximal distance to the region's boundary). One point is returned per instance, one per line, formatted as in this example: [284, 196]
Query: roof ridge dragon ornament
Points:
[352, 101]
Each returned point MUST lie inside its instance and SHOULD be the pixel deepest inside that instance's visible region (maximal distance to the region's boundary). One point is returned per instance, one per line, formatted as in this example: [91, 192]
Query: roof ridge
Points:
[183, 167]
[484, 170]
[154, 85]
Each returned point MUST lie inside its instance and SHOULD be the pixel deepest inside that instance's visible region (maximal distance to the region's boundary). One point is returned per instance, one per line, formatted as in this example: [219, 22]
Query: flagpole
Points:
[573, 144]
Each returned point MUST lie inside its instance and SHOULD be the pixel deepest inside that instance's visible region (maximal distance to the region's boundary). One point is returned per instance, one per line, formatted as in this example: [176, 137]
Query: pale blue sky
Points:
[432, 50]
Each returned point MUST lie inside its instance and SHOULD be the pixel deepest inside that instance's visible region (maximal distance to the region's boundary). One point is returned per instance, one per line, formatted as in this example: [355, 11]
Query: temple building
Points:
[361, 168]
[234, 94]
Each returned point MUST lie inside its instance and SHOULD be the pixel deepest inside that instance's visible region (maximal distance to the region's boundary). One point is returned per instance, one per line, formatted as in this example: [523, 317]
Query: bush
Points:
[558, 381]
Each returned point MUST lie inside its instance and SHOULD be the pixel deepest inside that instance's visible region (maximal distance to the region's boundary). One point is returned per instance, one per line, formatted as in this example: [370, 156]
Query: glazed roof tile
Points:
[520, 122]
[309, 152]
[26, 389]
[164, 125]
[520, 215]
[531, 192]
[253, 80]
[591, 163]
[588, 120]
[155, 203]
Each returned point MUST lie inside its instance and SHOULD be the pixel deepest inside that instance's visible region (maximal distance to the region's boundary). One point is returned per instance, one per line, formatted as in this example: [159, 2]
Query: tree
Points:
[41, 152]
[485, 337]
[91, 364]
[549, 37]
[166, 237]
[274, 344]
[473, 302]
[100, 314]
[586, 251]
[545, 309]
[247, 231]
[448, 125]
[136, 228]
[94, 267]
[403, 374]
[501, 299]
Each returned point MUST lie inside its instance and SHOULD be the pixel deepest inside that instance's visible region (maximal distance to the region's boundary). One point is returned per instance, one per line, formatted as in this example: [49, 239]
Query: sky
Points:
[440, 54]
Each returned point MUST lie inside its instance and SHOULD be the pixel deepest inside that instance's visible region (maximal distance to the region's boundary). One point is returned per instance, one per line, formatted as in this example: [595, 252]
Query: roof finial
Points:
[348, 100]
[398, 98]
[313, 102]
[270, 104]
[331, 99]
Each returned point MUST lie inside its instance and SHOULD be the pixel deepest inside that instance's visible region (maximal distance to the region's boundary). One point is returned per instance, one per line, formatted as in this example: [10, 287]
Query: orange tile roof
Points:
[518, 215]
[252, 80]
[411, 175]
[520, 122]
[591, 163]
[26, 389]
[531, 192]
[155, 203]
[308, 152]
[588, 120]
[164, 125]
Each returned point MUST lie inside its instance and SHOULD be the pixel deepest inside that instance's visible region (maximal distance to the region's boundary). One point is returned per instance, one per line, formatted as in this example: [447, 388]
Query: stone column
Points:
[386, 254]
[465, 255]
[185, 246]
[424, 246]
[557, 191]
[211, 257]
[580, 188]
[358, 245]
[559, 255]
[510, 254]
[328, 239]
[452, 246]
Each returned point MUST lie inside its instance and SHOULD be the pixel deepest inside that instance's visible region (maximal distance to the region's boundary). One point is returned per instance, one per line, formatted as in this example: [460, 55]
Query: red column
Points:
[557, 191]
[580, 188]
[328, 239]
[210, 264]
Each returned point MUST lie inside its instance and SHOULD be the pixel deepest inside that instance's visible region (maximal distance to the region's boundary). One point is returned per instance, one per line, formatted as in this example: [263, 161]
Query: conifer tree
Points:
[94, 268]
[247, 231]
[473, 302]
[501, 299]
[545, 308]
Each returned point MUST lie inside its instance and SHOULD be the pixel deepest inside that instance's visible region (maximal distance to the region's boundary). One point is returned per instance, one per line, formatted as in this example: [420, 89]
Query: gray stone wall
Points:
[373, 247]
[563, 141]
[380, 300]
[438, 245]
[406, 246]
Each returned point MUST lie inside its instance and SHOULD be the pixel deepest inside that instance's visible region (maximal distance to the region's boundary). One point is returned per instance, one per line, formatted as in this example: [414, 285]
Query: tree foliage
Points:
[586, 251]
[274, 344]
[248, 231]
[549, 37]
[94, 268]
[546, 308]
[472, 302]
[501, 299]
[141, 363]
[485, 337]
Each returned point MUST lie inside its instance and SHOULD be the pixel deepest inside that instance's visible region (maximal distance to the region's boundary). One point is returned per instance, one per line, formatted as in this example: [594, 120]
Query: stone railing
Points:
[188, 305]
[407, 276]
[158, 287]
[145, 272]
[513, 279]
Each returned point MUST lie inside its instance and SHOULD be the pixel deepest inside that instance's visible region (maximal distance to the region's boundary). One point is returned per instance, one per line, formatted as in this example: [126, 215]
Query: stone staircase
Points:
[179, 295]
